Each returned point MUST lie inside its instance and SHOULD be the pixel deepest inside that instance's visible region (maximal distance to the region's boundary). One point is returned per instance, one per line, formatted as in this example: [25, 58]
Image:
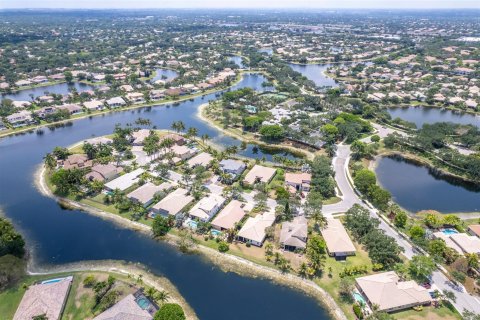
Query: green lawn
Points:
[429, 313]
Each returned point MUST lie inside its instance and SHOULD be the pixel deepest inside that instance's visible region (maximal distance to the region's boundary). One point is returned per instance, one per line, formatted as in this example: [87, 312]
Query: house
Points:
[94, 105]
[134, 306]
[157, 94]
[468, 244]
[298, 181]
[23, 83]
[116, 102]
[104, 172]
[254, 229]
[172, 204]
[147, 192]
[71, 108]
[294, 233]
[46, 298]
[124, 182]
[45, 111]
[202, 159]
[230, 215]
[19, 104]
[386, 291]
[448, 242]
[337, 239]
[99, 140]
[139, 136]
[207, 207]
[135, 97]
[174, 92]
[232, 167]
[21, 118]
[126, 88]
[182, 152]
[76, 161]
[176, 138]
[259, 174]
[474, 230]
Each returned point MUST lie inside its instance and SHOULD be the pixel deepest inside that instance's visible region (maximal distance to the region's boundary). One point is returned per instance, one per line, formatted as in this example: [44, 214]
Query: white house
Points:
[207, 207]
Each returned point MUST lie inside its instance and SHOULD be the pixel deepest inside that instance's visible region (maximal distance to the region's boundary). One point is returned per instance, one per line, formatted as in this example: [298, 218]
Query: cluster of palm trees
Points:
[159, 296]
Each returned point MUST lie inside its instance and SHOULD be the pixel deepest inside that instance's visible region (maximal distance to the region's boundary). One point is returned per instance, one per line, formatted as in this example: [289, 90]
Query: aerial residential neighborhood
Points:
[246, 160]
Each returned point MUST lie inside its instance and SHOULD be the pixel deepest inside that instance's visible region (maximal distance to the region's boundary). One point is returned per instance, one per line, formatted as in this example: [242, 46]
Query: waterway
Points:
[237, 60]
[60, 236]
[415, 187]
[59, 88]
[316, 73]
[422, 115]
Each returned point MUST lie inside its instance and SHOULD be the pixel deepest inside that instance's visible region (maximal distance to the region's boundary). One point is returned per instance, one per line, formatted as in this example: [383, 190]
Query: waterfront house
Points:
[116, 102]
[207, 207]
[468, 244]
[157, 95]
[94, 105]
[71, 108]
[176, 138]
[337, 239]
[46, 298]
[254, 229]
[294, 233]
[21, 118]
[135, 97]
[230, 215]
[125, 181]
[134, 306]
[172, 204]
[298, 181]
[386, 291]
[19, 104]
[146, 193]
[99, 140]
[474, 230]
[45, 111]
[182, 152]
[259, 174]
[139, 136]
[23, 83]
[232, 167]
[104, 172]
[201, 159]
[76, 161]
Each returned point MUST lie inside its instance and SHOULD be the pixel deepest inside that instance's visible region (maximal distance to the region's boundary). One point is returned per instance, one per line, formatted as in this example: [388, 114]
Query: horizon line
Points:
[237, 8]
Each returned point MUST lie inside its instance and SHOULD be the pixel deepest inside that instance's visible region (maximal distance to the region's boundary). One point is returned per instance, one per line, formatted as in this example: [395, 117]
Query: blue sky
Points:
[239, 4]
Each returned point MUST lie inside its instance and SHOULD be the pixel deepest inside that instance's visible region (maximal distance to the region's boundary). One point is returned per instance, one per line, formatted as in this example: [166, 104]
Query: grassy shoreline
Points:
[227, 262]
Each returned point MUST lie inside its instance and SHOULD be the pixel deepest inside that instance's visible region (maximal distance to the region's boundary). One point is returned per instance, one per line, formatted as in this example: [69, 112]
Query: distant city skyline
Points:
[387, 4]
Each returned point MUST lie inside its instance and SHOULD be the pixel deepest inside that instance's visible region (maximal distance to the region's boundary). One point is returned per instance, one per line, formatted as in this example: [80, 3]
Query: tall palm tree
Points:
[205, 137]
[192, 132]
[162, 296]
[50, 161]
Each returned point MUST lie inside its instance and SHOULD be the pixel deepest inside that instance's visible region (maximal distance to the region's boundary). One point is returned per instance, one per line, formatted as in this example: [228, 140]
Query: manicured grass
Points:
[429, 313]
[332, 200]
[330, 284]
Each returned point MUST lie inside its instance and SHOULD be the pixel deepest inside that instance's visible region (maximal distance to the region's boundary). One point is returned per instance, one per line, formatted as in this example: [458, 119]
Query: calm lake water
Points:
[164, 74]
[315, 72]
[62, 88]
[237, 60]
[59, 236]
[422, 115]
[416, 187]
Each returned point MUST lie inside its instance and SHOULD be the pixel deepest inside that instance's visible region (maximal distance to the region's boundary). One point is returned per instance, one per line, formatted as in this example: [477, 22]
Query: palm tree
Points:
[151, 292]
[319, 219]
[205, 137]
[192, 132]
[303, 270]
[50, 161]
[162, 296]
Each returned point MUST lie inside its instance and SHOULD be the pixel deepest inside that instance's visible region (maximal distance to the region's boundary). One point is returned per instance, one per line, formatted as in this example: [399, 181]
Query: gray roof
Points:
[293, 232]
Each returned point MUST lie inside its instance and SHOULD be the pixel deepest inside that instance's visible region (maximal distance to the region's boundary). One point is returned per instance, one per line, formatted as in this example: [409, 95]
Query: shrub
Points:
[358, 311]
[89, 281]
[223, 246]
[170, 311]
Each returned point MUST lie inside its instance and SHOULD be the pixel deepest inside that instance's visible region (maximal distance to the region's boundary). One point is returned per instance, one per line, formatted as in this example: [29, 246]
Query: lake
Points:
[415, 187]
[422, 115]
[59, 236]
[164, 74]
[237, 60]
[316, 73]
[60, 88]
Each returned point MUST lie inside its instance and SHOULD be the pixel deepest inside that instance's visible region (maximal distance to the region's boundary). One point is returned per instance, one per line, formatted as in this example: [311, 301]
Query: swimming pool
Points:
[216, 233]
[55, 280]
[449, 231]
[143, 303]
[191, 224]
[359, 298]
